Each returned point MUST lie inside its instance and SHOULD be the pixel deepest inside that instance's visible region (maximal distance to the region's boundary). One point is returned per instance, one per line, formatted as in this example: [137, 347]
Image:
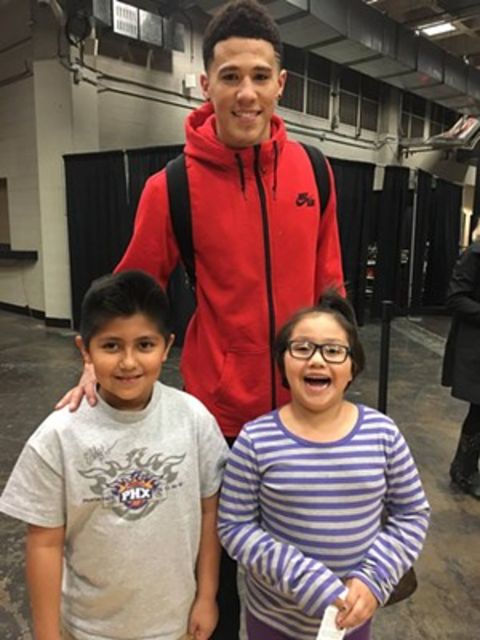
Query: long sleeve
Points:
[329, 255]
[464, 282]
[280, 565]
[401, 538]
[152, 247]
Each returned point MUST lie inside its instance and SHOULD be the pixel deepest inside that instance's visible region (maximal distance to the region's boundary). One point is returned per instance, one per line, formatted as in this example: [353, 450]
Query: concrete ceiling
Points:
[464, 14]
[381, 39]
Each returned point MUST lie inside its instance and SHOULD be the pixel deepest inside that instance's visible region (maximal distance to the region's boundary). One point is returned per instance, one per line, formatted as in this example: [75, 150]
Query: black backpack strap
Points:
[322, 177]
[180, 208]
[181, 212]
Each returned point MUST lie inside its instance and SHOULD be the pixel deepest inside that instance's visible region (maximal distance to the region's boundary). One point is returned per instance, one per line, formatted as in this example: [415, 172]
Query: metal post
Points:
[387, 313]
[413, 237]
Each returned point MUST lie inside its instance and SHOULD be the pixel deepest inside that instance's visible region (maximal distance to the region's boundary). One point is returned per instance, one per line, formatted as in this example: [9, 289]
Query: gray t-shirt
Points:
[128, 488]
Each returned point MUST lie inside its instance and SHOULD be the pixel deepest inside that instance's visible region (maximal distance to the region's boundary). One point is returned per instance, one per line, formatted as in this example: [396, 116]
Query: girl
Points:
[304, 491]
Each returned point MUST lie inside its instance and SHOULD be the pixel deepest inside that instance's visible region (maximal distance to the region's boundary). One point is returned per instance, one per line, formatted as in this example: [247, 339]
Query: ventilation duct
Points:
[355, 35]
[125, 18]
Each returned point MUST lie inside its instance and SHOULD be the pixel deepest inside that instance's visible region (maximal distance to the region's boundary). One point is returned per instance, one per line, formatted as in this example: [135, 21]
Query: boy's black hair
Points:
[332, 303]
[241, 19]
[122, 295]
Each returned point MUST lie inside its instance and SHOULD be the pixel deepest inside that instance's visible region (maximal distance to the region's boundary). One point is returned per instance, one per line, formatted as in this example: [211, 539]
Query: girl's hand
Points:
[360, 605]
[203, 619]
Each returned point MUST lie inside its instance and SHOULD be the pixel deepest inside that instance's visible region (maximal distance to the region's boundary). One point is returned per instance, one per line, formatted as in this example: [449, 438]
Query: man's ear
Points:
[83, 350]
[168, 346]
[282, 79]
[204, 83]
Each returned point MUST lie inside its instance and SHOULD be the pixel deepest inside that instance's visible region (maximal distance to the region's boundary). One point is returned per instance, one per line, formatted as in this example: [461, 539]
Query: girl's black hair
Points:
[241, 19]
[332, 303]
[122, 295]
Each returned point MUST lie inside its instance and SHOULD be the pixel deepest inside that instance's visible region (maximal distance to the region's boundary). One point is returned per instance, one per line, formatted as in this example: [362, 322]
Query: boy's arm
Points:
[45, 548]
[204, 613]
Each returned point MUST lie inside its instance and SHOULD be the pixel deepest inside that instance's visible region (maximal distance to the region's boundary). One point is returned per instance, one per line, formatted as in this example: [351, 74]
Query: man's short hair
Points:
[122, 295]
[241, 19]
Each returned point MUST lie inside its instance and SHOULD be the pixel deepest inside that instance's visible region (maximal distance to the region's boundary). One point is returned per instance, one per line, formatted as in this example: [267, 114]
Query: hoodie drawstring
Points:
[241, 171]
[275, 168]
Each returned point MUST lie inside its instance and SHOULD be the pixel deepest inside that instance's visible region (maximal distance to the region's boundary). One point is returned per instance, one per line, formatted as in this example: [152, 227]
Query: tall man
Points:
[262, 248]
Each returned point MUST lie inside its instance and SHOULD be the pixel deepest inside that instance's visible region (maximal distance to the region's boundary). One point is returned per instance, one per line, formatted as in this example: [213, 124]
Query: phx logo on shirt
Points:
[134, 487]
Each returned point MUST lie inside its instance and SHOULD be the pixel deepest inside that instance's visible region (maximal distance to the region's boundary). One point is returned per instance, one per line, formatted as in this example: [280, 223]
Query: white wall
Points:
[20, 284]
[54, 135]
[151, 108]
[126, 122]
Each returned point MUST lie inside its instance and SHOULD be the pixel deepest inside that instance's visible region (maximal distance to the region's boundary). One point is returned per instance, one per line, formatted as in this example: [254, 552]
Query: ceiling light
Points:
[437, 28]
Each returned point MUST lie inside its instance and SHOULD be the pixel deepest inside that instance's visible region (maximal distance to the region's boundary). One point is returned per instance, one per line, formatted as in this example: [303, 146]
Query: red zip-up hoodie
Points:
[262, 251]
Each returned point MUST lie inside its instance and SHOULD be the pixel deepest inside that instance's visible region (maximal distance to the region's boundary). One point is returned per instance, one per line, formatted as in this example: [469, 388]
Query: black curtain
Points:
[443, 240]
[142, 163]
[374, 218]
[424, 205]
[354, 184]
[394, 200]
[99, 222]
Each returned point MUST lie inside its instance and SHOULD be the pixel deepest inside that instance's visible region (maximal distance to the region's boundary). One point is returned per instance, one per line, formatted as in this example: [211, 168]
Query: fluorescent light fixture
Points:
[437, 28]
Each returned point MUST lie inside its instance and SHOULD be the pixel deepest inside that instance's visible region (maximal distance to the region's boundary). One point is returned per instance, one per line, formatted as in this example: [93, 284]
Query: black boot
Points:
[464, 468]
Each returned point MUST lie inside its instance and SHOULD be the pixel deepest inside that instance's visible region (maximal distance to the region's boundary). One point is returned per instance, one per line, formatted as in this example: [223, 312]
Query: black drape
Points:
[354, 184]
[99, 223]
[142, 163]
[443, 239]
[424, 205]
[393, 208]
[374, 218]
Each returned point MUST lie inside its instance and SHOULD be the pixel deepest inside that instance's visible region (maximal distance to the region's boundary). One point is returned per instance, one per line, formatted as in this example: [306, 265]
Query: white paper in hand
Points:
[328, 629]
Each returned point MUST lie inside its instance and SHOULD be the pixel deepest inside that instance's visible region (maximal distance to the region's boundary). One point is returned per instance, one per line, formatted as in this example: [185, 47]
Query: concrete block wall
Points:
[21, 284]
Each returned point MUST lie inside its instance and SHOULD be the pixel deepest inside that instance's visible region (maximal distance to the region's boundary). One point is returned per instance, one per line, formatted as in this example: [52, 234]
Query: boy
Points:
[120, 498]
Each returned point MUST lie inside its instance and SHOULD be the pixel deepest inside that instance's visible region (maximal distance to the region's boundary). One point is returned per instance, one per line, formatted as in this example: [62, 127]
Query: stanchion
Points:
[387, 313]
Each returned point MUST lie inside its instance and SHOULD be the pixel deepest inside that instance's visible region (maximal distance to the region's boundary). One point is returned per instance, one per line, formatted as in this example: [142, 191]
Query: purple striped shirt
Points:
[302, 516]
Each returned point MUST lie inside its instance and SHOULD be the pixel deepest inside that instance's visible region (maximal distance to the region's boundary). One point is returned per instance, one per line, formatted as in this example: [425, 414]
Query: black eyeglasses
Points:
[331, 353]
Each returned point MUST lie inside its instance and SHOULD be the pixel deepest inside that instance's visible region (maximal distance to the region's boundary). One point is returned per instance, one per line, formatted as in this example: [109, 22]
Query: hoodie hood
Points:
[202, 143]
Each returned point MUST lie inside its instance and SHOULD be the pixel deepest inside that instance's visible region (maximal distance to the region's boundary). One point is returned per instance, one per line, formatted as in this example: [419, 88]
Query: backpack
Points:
[180, 207]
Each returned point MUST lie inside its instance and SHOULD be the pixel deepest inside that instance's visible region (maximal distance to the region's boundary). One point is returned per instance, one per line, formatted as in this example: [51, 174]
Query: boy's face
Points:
[243, 82]
[127, 355]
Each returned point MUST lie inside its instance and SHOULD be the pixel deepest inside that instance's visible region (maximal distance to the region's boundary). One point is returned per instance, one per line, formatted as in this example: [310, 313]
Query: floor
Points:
[38, 364]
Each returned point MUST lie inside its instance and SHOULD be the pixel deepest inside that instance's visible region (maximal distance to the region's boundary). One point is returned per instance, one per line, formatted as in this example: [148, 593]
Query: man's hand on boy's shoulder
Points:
[86, 387]
[203, 618]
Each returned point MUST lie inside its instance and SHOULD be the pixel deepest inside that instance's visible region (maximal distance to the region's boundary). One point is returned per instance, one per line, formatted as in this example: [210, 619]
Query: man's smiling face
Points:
[243, 82]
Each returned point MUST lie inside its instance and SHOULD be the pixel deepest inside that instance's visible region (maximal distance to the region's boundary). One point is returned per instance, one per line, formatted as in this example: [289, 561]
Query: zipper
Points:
[268, 269]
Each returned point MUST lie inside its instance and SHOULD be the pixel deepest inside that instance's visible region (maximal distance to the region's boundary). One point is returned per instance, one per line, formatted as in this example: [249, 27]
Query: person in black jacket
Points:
[461, 364]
